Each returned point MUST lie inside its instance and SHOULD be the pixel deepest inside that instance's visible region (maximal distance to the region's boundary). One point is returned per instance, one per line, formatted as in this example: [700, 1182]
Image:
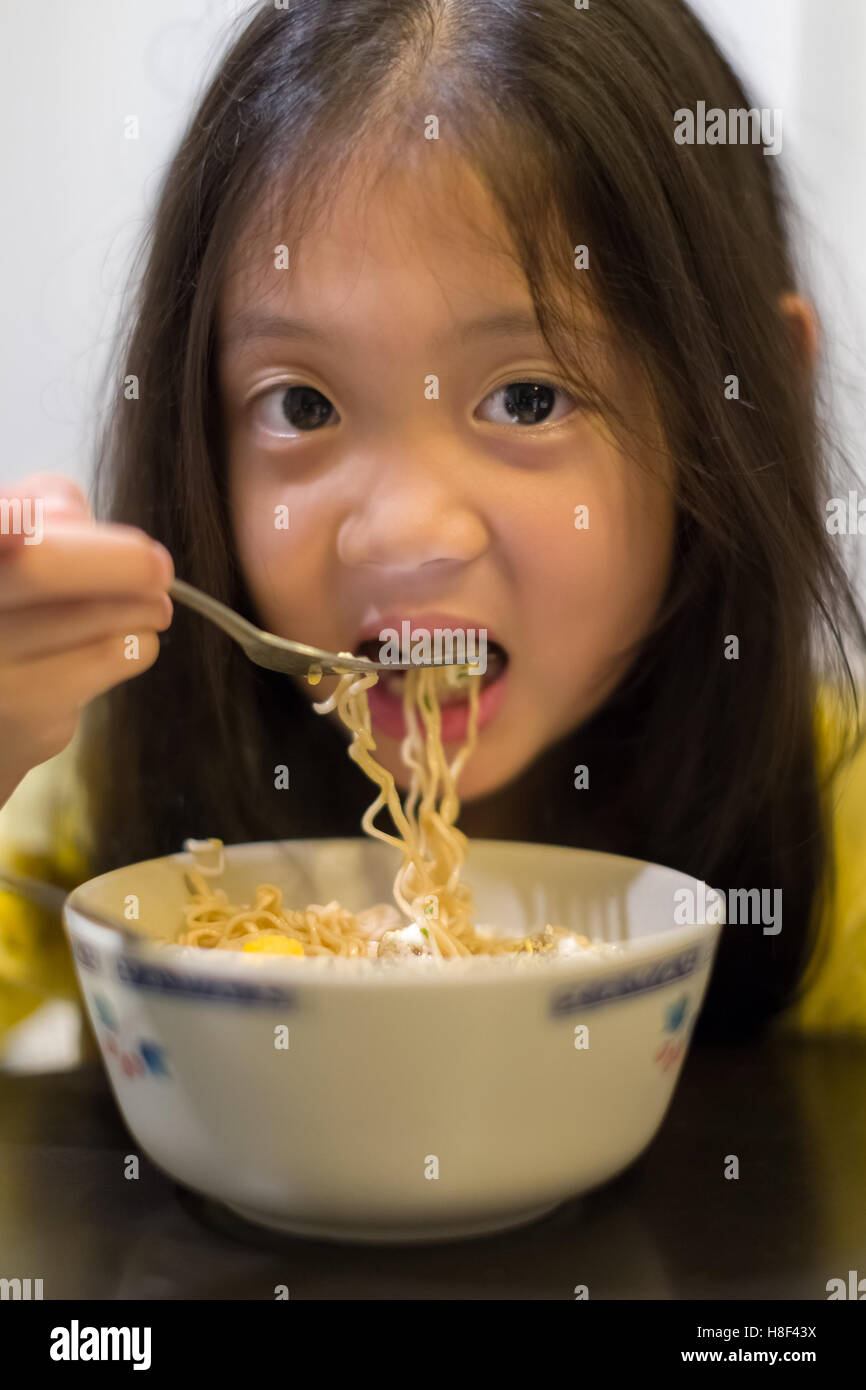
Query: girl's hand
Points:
[72, 593]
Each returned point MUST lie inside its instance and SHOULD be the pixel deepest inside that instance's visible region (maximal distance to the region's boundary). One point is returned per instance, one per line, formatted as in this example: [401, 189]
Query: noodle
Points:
[427, 887]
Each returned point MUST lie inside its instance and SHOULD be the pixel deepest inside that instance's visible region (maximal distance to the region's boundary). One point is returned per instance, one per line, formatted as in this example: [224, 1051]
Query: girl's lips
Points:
[386, 710]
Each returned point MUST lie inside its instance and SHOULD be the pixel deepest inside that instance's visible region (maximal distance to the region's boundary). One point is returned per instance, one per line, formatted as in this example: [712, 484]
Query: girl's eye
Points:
[290, 409]
[526, 403]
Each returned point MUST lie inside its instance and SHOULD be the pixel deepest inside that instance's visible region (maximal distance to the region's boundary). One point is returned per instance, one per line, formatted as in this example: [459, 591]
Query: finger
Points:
[56, 485]
[46, 628]
[24, 503]
[80, 675]
[79, 560]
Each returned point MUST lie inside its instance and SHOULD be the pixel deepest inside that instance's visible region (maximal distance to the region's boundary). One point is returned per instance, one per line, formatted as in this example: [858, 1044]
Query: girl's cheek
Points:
[262, 514]
[259, 544]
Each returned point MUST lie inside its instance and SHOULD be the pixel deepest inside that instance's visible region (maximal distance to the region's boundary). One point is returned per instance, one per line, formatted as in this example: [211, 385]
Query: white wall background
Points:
[77, 193]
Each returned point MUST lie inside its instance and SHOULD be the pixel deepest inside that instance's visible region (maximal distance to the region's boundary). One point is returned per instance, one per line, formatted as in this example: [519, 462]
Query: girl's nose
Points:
[412, 515]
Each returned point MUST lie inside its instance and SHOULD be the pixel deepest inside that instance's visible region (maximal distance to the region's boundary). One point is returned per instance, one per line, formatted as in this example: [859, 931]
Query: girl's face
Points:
[391, 390]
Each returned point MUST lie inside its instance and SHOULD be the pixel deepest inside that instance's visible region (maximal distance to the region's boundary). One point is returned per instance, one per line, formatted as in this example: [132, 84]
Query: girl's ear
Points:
[804, 328]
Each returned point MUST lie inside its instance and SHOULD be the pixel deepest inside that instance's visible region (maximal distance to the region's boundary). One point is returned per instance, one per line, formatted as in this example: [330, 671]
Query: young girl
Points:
[440, 322]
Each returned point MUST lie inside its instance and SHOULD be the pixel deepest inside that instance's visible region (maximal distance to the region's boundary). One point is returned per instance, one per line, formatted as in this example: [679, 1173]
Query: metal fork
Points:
[279, 653]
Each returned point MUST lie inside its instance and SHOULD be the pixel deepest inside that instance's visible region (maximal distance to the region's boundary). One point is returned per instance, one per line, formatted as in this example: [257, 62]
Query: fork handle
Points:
[209, 607]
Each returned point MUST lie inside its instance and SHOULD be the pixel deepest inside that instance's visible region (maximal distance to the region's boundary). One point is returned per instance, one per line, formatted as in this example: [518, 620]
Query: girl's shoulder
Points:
[44, 818]
[834, 999]
[41, 837]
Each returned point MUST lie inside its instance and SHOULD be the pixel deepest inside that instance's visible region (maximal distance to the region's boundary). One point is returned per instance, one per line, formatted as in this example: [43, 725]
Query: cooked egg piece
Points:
[274, 945]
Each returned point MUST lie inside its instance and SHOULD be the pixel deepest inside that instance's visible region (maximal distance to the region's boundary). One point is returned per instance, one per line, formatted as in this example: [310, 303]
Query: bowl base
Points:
[392, 1235]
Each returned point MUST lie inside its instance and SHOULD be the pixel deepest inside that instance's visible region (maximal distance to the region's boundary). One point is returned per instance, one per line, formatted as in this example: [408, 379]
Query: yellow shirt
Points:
[42, 835]
[834, 997]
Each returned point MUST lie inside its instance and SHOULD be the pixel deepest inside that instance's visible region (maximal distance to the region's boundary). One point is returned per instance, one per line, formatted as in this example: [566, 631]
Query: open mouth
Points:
[386, 696]
[449, 694]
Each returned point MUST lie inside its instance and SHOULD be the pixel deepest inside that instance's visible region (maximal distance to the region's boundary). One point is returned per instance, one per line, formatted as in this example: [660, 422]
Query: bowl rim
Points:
[363, 973]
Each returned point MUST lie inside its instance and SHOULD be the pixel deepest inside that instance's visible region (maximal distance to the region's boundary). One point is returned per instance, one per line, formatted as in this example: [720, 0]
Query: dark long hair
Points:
[567, 115]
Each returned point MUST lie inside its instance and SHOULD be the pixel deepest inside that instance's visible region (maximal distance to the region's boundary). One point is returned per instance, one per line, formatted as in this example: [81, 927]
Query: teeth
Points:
[395, 681]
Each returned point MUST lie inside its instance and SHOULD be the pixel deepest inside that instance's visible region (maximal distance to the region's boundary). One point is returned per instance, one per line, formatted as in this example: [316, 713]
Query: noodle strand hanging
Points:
[435, 916]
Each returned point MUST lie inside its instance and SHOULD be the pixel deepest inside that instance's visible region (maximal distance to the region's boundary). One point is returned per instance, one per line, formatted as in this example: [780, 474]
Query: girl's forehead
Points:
[408, 221]
[396, 256]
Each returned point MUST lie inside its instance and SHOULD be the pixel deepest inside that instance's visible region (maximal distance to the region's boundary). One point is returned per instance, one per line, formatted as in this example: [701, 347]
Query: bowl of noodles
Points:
[397, 1036]
[403, 1098]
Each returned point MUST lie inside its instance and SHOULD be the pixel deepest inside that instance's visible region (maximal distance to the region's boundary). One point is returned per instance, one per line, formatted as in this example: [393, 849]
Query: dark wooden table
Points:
[672, 1227]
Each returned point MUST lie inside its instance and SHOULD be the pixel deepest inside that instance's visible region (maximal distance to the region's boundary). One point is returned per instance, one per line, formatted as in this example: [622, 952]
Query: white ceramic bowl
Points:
[397, 1101]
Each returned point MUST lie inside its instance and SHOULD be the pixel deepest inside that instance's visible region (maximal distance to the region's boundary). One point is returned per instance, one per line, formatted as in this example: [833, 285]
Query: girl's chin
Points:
[477, 779]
